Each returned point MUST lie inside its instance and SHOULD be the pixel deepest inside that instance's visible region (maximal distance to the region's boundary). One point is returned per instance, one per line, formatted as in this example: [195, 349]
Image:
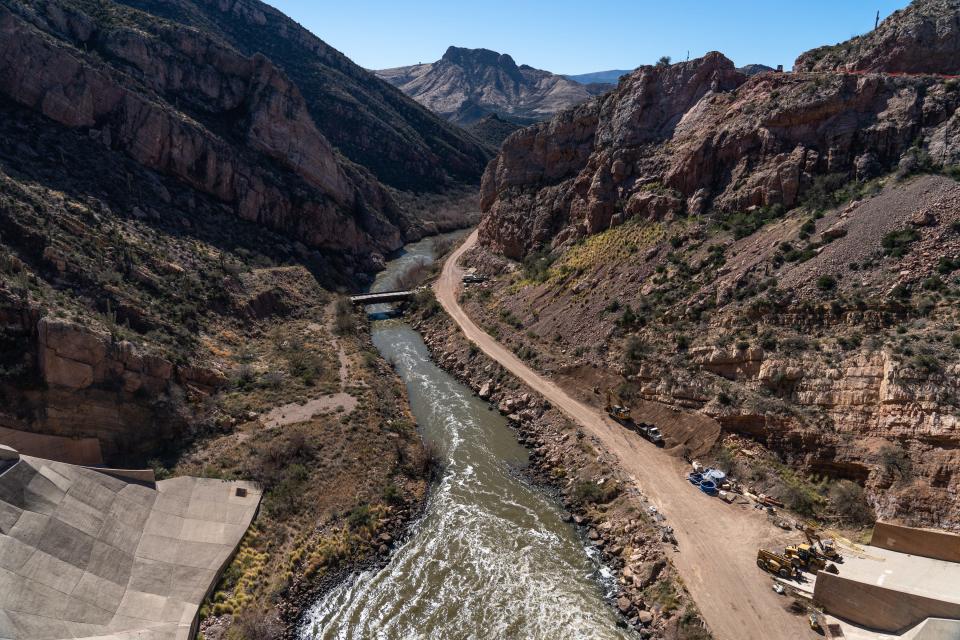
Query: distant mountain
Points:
[754, 69]
[606, 77]
[492, 129]
[467, 84]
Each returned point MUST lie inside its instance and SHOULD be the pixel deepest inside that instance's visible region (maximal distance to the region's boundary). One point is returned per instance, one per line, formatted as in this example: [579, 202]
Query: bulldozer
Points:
[617, 411]
[805, 556]
[776, 563]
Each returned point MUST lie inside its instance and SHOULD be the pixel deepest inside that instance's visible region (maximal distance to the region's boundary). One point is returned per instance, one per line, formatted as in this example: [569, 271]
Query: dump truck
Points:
[776, 563]
[617, 411]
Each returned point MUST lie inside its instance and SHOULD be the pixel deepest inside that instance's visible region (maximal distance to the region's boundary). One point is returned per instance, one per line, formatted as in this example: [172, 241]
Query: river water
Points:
[491, 558]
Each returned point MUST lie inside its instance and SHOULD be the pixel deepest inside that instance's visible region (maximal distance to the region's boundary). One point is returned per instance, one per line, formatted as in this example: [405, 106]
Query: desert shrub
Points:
[629, 319]
[360, 517]
[947, 265]
[442, 245]
[682, 342]
[536, 266]
[344, 320]
[895, 462]
[827, 191]
[745, 223]
[663, 61]
[255, 624]
[425, 302]
[587, 492]
[160, 471]
[826, 283]
[800, 496]
[850, 503]
[245, 377]
[897, 243]
[634, 349]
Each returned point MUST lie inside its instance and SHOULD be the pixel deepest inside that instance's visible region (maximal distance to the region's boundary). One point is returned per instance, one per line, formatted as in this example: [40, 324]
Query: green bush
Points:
[850, 503]
[895, 462]
[897, 243]
[536, 266]
[589, 492]
[826, 283]
[360, 517]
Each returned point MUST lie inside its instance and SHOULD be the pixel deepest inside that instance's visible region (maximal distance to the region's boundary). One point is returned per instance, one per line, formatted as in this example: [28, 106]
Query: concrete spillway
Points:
[85, 555]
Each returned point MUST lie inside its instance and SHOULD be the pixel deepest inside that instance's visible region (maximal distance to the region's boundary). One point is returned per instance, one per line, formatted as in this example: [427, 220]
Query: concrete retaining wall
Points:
[939, 545]
[877, 608]
[80, 451]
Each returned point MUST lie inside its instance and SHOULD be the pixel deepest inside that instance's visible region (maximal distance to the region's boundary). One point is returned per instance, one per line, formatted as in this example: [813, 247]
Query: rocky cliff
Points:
[467, 84]
[771, 251]
[163, 191]
[371, 123]
[699, 136]
[923, 38]
[182, 104]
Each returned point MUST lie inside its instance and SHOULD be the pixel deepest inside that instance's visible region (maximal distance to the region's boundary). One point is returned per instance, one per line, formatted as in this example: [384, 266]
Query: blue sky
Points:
[567, 36]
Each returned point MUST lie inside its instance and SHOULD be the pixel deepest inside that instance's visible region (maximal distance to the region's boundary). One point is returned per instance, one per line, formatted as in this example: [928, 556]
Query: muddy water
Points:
[491, 557]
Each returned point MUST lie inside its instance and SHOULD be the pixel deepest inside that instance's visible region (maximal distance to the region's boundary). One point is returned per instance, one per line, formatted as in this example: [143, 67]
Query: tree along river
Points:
[491, 557]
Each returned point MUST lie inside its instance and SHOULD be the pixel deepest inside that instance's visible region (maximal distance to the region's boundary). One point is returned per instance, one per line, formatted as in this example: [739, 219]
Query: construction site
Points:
[904, 583]
[111, 554]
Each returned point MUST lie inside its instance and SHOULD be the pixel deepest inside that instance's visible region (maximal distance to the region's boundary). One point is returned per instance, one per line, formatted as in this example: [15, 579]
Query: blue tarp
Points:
[715, 475]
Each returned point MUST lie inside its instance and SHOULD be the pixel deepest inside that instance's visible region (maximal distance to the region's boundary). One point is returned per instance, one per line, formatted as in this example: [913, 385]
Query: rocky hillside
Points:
[372, 124]
[492, 129]
[923, 38]
[158, 187]
[467, 84]
[771, 251]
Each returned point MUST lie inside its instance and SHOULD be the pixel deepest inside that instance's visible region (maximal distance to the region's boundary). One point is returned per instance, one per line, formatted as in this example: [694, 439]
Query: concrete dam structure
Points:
[89, 555]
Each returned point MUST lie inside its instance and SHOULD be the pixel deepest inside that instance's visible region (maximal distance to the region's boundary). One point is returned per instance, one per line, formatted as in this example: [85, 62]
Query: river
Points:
[491, 557]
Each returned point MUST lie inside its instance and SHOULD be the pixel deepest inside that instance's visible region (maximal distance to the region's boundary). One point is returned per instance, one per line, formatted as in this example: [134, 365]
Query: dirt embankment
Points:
[616, 518]
[344, 473]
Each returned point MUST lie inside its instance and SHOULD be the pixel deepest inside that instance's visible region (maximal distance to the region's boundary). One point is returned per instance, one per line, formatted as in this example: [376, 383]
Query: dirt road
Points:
[718, 542]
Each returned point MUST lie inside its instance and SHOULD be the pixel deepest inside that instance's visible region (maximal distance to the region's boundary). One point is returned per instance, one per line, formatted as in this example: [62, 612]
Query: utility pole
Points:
[688, 55]
[876, 21]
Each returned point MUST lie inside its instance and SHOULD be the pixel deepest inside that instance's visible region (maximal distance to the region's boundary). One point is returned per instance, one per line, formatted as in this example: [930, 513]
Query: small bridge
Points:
[381, 297]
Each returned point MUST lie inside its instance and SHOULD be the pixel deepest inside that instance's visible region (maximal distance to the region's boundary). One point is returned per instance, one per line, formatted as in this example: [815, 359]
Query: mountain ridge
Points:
[467, 84]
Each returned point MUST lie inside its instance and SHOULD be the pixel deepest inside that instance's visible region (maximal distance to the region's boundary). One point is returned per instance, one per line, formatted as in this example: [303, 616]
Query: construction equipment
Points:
[776, 563]
[815, 622]
[650, 432]
[617, 411]
[805, 556]
[824, 548]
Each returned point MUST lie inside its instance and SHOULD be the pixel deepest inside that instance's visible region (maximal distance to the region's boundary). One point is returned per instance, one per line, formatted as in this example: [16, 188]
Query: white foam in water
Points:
[491, 557]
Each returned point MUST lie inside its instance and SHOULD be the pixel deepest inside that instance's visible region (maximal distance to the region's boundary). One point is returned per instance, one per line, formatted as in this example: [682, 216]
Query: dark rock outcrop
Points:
[371, 123]
[181, 103]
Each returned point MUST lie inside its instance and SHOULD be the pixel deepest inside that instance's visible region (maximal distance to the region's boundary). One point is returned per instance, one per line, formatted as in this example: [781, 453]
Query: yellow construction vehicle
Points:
[776, 563]
[805, 556]
[616, 411]
[823, 548]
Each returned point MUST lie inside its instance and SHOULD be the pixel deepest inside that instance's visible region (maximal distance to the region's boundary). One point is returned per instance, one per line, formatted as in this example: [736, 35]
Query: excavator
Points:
[617, 411]
[806, 557]
[823, 548]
